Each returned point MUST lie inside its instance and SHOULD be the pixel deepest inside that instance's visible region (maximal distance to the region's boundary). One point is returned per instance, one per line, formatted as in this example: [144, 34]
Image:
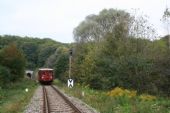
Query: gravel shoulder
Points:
[36, 103]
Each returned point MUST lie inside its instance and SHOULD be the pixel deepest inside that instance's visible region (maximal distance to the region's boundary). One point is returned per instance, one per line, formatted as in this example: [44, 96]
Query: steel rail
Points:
[67, 100]
[46, 107]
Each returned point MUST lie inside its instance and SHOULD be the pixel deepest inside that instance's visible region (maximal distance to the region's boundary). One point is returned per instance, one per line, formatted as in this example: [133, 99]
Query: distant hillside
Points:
[36, 50]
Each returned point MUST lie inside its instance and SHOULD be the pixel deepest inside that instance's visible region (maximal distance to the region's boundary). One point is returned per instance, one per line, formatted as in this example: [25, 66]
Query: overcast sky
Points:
[56, 19]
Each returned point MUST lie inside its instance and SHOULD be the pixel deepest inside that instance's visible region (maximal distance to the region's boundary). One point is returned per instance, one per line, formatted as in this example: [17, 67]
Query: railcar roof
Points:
[46, 69]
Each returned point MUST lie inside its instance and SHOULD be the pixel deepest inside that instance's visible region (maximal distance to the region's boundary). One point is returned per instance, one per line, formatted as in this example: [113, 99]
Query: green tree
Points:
[61, 64]
[166, 21]
[115, 49]
[30, 49]
[44, 53]
[13, 59]
[4, 76]
[95, 27]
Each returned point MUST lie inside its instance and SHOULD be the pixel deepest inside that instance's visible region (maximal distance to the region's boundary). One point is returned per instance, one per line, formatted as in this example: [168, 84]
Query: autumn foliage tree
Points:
[14, 62]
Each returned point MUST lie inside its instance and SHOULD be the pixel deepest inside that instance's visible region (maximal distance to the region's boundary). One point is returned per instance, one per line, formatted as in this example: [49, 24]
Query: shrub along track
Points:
[55, 101]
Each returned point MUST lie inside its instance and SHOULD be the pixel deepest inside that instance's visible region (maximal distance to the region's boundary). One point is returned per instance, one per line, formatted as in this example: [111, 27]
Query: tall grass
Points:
[15, 98]
[122, 103]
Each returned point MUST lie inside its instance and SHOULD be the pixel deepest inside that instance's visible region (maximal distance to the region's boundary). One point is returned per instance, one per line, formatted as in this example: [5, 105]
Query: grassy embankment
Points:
[118, 100]
[15, 98]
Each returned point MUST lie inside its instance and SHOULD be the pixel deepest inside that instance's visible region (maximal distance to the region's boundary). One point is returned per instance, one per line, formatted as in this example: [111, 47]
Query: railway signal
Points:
[70, 81]
[71, 52]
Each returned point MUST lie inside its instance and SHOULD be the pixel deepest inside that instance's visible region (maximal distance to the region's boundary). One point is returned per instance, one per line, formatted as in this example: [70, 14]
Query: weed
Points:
[14, 98]
[118, 100]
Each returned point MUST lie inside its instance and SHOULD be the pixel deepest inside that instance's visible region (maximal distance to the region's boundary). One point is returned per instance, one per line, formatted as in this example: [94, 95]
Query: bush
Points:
[116, 92]
[146, 97]
[4, 76]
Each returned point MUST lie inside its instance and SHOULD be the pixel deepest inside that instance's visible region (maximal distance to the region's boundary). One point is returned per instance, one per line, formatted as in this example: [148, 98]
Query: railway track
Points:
[55, 102]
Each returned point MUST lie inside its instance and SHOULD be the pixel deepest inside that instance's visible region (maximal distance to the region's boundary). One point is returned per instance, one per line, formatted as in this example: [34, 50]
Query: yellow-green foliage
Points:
[121, 104]
[146, 97]
[116, 92]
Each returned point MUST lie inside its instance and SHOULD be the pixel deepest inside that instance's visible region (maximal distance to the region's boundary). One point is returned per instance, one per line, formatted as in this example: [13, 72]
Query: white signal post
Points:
[70, 81]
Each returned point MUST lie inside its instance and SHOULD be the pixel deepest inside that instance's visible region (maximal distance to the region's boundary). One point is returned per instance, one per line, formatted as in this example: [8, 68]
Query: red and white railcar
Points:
[45, 75]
